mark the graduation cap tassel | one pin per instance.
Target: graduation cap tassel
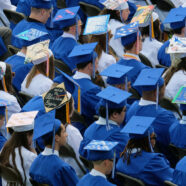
(79, 100)
(107, 38)
(120, 13)
(4, 84)
(107, 116)
(53, 140)
(151, 27)
(6, 118)
(150, 142)
(67, 113)
(77, 34)
(137, 43)
(47, 66)
(126, 84)
(157, 96)
(94, 70)
(51, 18)
(114, 164)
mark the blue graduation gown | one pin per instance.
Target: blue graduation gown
(89, 100)
(61, 48)
(132, 8)
(2, 141)
(164, 119)
(26, 25)
(152, 168)
(89, 180)
(50, 169)
(3, 48)
(21, 70)
(99, 132)
(177, 135)
(164, 58)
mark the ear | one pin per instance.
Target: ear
(57, 138)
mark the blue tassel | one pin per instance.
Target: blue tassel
(150, 142)
(94, 66)
(53, 140)
(51, 19)
(150, 29)
(157, 96)
(120, 13)
(107, 117)
(114, 164)
(77, 34)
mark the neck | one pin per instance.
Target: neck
(85, 71)
(100, 169)
(23, 50)
(132, 51)
(55, 148)
(149, 98)
(113, 119)
(35, 16)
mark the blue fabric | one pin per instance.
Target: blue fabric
(163, 58)
(132, 8)
(177, 135)
(100, 132)
(2, 47)
(61, 48)
(21, 70)
(152, 168)
(89, 100)
(14, 2)
(24, 7)
(52, 170)
(90, 180)
(2, 141)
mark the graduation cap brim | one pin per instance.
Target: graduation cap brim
(180, 97)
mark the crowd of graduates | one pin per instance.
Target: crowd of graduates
(103, 95)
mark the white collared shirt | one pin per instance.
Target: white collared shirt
(134, 55)
(66, 34)
(102, 121)
(81, 75)
(94, 172)
(183, 121)
(144, 102)
(48, 151)
(21, 54)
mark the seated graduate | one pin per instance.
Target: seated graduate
(17, 151)
(179, 174)
(6, 89)
(26, 38)
(101, 153)
(69, 21)
(151, 45)
(178, 129)
(86, 61)
(138, 159)
(176, 18)
(39, 79)
(40, 12)
(132, 43)
(112, 108)
(152, 86)
(118, 17)
(48, 168)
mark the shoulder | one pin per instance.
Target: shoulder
(8, 96)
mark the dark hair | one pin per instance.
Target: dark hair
(177, 31)
(48, 138)
(129, 46)
(184, 112)
(17, 140)
(139, 144)
(83, 65)
(67, 28)
(114, 14)
(102, 111)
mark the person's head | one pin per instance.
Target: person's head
(125, 14)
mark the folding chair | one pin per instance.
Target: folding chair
(24, 97)
(88, 164)
(178, 152)
(145, 60)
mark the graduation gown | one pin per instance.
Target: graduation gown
(2, 141)
(48, 168)
(20, 69)
(2, 47)
(152, 168)
(98, 131)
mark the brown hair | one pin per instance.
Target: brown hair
(42, 70)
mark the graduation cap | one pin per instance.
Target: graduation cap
(84, 53)
(180, 98)
(23, 121)
(176, 17)
(98, 25)
(46, 4)
(117, 74)
(31, 36)
(67, 17)
(115, 4)
(101, 150)
(46, 126)
(112, 98)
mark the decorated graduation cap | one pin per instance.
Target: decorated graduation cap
(31, 36)
(112, 98)
(117, 74)
(176, 18)
(46, 126)
(150, 79)
(84, 53)
(67, 17)
(39, 53)
(98, 25)
(180, 98)
(2, 74)
(46, 4)
(23, 121)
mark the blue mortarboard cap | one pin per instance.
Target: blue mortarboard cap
(116, 73)
(176, 18)
(66, 17)
(83, 53)
(31, 36)
(148, 79)
(100, 150)
(127, 33)
(138, 126)
(114, 4)
(46, 4)
(3, 104)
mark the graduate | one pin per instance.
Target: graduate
(138, 159)
(39, 79)
(176, 18)
(178, 129)
(101, 153)
(86, 61)
(40, 12)
(69, 21)
(48, 168)
(112, 108)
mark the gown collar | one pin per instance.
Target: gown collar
(183, 121)
(81, 75)
(20, 54)
(48, 151)
(94, 172)
(66, 34)
(102, 121)
(144, 102)
(131, 56)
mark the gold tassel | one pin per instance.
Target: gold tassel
(4, 84)
(67, 113)
(79, 100)
(152, 28)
